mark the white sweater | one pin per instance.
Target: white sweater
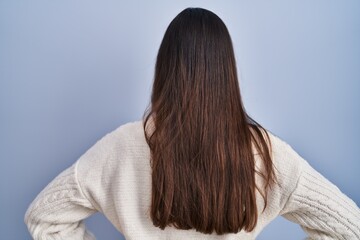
(114, 178)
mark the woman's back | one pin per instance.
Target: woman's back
(114, 177)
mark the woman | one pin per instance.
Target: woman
(196, 166)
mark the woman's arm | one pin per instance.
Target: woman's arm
(321, 209)
(58, 210)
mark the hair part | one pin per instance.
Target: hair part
(203, 166)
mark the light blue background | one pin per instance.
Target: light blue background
(72, 71)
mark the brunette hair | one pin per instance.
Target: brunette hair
(203, 168)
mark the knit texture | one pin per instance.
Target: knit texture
(114, 177)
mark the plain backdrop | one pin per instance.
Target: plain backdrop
(72, 71)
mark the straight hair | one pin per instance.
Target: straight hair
(200, 139)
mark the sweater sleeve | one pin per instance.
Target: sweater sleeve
(320, 208)
(58, 210)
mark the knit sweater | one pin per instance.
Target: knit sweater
(114, 177)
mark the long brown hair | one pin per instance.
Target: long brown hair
(203, 169)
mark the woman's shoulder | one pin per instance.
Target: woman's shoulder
(123, 135)
(103, 161)
(113, 143)
(288, 165)
(283, 152)
(126, 129)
